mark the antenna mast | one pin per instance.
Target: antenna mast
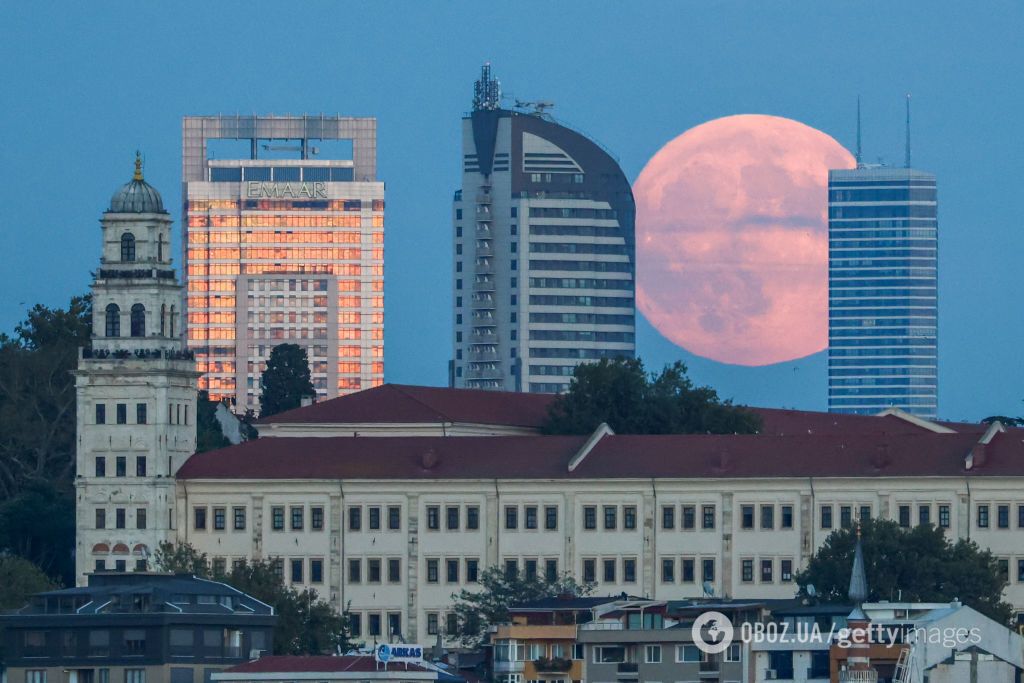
(906, 161)
(859, 163)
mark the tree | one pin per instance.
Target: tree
(38, 524)
(306, 624)
(479, 609)
(209, 435)
(621, 393)
(919, 564)
(19, 580)
(286, 380)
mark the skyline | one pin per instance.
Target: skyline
(84, 146)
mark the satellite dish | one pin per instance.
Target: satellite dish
(709, 589)
(811, 590)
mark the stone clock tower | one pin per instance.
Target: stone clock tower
(136, 390)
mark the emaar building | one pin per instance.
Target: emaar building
(544, 262)
(883, 296)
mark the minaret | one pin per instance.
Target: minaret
(136, 390)
(858, 660)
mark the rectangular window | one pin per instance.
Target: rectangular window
(472, 517)
(865, 514)
(219, 517)
(394, 623)
(451, 571)
(451, 514)
(511, 517)
(668, 570)
(121, 466)
(277, 518)
(433, 517)
(394, 518)
(787, 517)
(551, 570)
(1020, 571)
(608, 571)
(101, 518)
(845, 516)
(394, 570)
(101, 466)
(767, 571)
(355, 624)
(652, 654)
(472, 570)
(140, 466)
(432, 623)
(904, 515)
(589, 517)
(530, 569)
(944, 516)
(768, 517)
(296, 575)
(119, 518)
(689, 517)
(1003, 516)
(708, 515)
(746, 516)
(140, 413)
(298, 512)
(746, 570)
(373, 624)
(355, 518)
(140, 518)
(373, 570)
(611, 514)
(199, 518)
(433, 570)
(686, 570)
(316, 518)
(983, 516)
(122, 413)
(629, 570)
(551, 517)
(101, 414)
(687, 653)
(511, 568)
(530, 517)
(826, 517)
(373, 521)
(629, 517)
(134, 676)
(924, 514)
(316, 571)
(589, 570)
(355, 571)
(786, 571)
(707, 569)
(668, 517)
(452, 624)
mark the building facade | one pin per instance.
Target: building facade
(135, 628)
(136, 390)
(544, 262)
(883, 296)
(392, 526)
(283, 243)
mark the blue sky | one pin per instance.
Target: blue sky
(85, 84)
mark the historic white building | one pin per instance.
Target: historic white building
(136, 390)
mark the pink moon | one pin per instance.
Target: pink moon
(732, 239)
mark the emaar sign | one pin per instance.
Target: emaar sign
(399, 653)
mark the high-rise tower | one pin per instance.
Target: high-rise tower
(883, 297)
(136, 390)
(544, 264)
(283, 243)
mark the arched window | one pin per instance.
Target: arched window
(113, 321)
(172, 321)
(127, 247)
(138, 320)
(163, 318)
(160, 248)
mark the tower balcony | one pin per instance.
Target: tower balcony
(483, 230)
(484, 335)
(484, 248)
(484, 266)
(484, 318)
(483, 284)
(483, 197)
(484, 371)
(483, 302)
(483, 353)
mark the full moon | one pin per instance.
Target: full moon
(732, 239)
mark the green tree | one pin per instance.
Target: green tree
(621, 393)
(209, 435)
(306, 624)
(480, 608)
(286, 380)
(38, 524)
(19, 580)
(919, 564)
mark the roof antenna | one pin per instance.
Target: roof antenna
(906, 161)
(859, 163)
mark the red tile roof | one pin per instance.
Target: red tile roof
(783, 422)
(313, 664)
(404, 404)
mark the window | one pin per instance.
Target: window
(140, 466)
(101, 466)
(277, 518)
(134, 676)
(296, 571)
(373, 521)
(708, 515)
(355, 571)
(472, 517)
(101, 518)
(373, 570)
(904, 515)
(668, 570)
(865, 514)
(551, 570)
(668, 517)
(845, 516)
(316, 518)
(140, 413)
(355, 624)
(121, 466)
(394, 570)
(119, 518)
(112, 321)
(219, 521)
(452, 624)
(432, 623)
(590, 517)
(297, 515)
(140, 518)
(689, 517)
(687, 653)
(768, 517)
(589, 570)
(609, 654)
(686, 570)
(101, 413)
(944, 516)
(451, 571)
(355, 518)
(629, 517)
(394, 518)
(316, 571)
(767, 571)
(373, 624)
(1004, 568)
(472, 570)
(652, 654)
(708, 569)
(734, 653)
(530, 569)
(138, 320)
(511, 568)
(924, 514)
(629, 570)
(551, 517)
(530, 517)
(433, 570)
(511, 517)
(786, 571)
(199, 518)
(746, 570)
(127, 247)
(747, 516)
(433, 517)
(239, 518)
(1003, 516)
(611, 514)
(122, 413)
(983, 516)
(787, 517)
(451, 514)
(826, 517)
(1020, 571)
(608, 571)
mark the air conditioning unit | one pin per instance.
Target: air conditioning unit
(771, 674)
(255, 654)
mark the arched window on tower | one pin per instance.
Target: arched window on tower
(172, 321)
(160, 248)
(127, 247)
(163, 318)
(113, 321)
(138, 320)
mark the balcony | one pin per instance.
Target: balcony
(483, 353)
(483, 302)
(602, 626)
(484, 248)
(710, 667)
(554, 665)
(489, 338)
(629, 669)
(483, 230)
(483, 197)
(483, 285)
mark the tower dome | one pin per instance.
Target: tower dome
(137, 196)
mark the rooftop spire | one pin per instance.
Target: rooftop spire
(138, 166)
(858, 592)
(859, 163)
(906, 161)
(486, 91)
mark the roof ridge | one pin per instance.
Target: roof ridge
(425, 405)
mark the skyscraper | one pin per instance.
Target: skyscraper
(544, 263)
(883, 297)
(284, 243)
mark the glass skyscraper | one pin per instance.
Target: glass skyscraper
(283, 228)
(883, 297)
(544, 262)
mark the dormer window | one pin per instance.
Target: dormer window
(127, 247)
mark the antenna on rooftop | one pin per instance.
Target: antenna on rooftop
(906, 161)
(859, 164)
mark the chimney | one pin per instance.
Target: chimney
(307, 400)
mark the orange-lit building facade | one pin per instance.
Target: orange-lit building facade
(285, 249)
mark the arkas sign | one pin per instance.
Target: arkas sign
(399, 653)
(259, 190)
